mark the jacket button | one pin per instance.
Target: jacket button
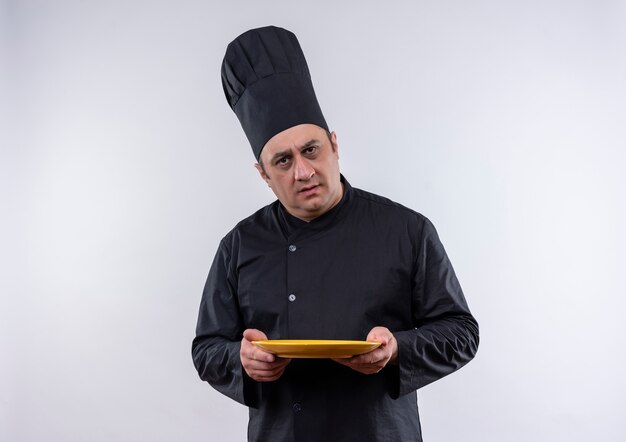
(292, 297)
(292, 248)
(297, 407)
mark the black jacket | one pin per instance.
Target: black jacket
(367, 262)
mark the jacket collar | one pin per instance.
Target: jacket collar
(294, 226)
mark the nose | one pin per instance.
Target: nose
(303, 170)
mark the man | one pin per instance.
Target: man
(324, 261)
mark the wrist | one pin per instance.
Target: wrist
(394, 352)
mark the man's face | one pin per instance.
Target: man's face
(301, 166)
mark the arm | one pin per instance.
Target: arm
(445, 334)
(222, 350)
(216, 347)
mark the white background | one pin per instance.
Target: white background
(122, 166)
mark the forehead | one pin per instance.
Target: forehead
(293, 138)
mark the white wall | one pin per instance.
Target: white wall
(122, 167)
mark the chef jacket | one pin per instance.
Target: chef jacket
(367, 262)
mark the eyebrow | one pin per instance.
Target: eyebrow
(284, 153)
(309, 144)
(280, 154)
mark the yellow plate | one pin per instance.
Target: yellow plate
(306, 348)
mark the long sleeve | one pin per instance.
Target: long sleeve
(215, 349)
(445, 334)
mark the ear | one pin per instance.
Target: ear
(262, 173)
(333, 140)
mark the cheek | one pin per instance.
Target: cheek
(281, 188)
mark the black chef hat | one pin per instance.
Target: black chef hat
(267, 83)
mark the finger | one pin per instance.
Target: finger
(252, 334)
(282, 362)
(277, 363)
(262, 378)
(380, 336)
(363, 367)
(261, 366)
(372, 357)
(266, 375)
(252, 352)
(257, 355)
(367, 369)
(265, 371)
(342, 361)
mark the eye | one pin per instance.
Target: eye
(282, 161)
(309, 150)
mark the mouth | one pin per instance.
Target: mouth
(309, 190)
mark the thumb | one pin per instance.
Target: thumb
(252, 334)
(379, 334)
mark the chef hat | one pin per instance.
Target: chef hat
(267, 83)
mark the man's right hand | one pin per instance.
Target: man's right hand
(258, 364)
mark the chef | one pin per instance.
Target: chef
(324, 261)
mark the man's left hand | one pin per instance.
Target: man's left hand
(375, 360)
